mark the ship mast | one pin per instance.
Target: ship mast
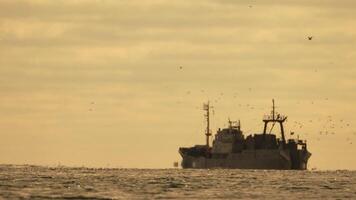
(275, 119)
(273, 108)
(207, 107)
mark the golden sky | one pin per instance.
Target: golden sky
(98, 83)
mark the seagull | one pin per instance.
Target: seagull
(180, 67)
(310, 37)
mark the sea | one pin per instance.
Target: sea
(38, 182)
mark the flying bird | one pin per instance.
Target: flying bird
(310, 37)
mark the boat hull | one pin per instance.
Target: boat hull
(249, 159)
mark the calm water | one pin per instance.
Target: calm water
(31, 182)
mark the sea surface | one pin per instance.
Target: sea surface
(34, 182)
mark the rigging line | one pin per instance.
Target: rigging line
(272, 127)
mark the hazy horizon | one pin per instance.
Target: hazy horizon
(107, 83)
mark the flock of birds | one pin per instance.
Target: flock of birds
(327, 127)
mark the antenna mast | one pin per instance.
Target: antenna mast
(207, 107)
(273, 108)
(272, 118)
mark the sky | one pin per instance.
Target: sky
(106, 83)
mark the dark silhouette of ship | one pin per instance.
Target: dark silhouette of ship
(231, 149)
